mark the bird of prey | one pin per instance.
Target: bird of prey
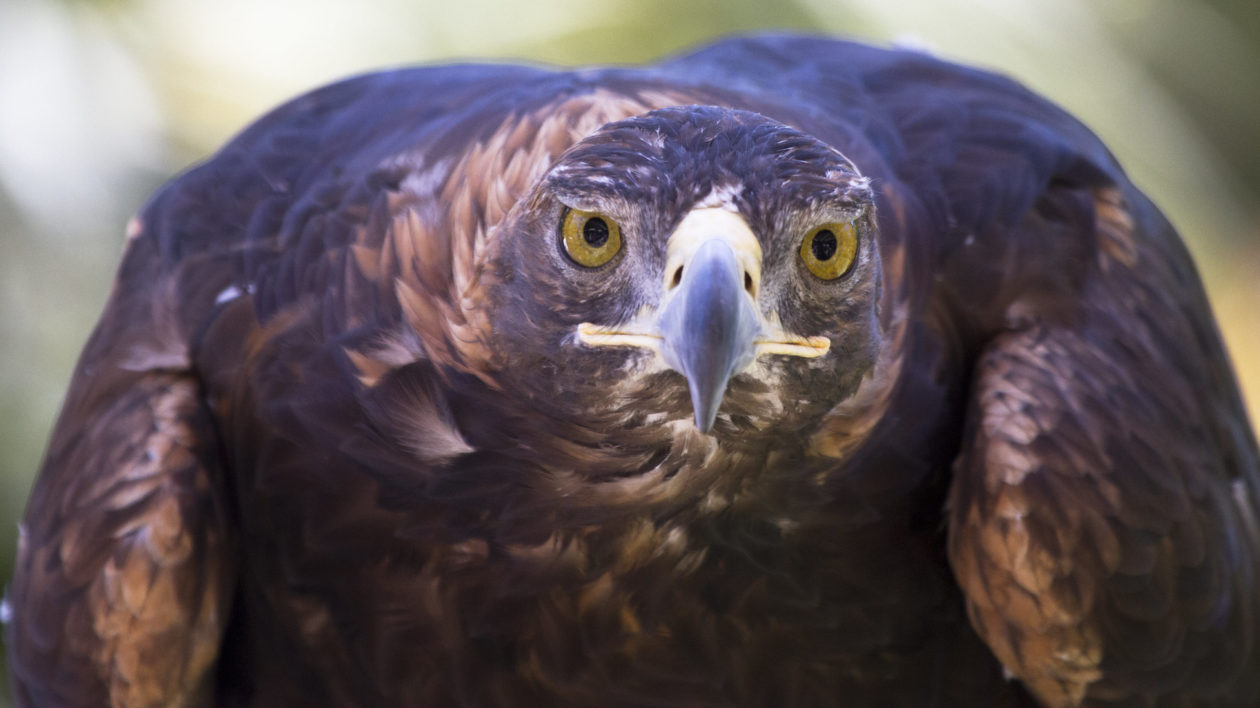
(789, 372)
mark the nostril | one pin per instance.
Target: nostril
(748, 283)
(677, 278)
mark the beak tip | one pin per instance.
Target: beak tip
(705, 405)
(704, 426)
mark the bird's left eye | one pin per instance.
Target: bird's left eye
(590, 239)
(829, 250)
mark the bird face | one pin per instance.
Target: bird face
(694, 264)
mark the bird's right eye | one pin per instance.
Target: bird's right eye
(590, 239)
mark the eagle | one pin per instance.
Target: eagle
(787, 372)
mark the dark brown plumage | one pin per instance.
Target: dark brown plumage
(790, 372)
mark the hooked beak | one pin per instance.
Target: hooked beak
(708, 326)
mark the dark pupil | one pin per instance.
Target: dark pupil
(824, 245)
(595, 232)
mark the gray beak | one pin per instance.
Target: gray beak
(709, 326)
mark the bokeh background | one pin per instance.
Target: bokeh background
(101, 101)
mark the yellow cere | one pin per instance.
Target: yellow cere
(828, 250)
(591, 239)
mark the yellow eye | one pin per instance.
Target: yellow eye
(590, 239)
(829, 250)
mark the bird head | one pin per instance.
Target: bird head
(695, 264)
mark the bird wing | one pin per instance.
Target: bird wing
(127, 562)
(123, 577)
(126, 569)
(1103, 510)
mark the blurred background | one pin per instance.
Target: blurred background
(101, 101)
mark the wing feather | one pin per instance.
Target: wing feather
(122, 581)
(1099, 521)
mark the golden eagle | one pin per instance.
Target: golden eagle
(790, 372)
